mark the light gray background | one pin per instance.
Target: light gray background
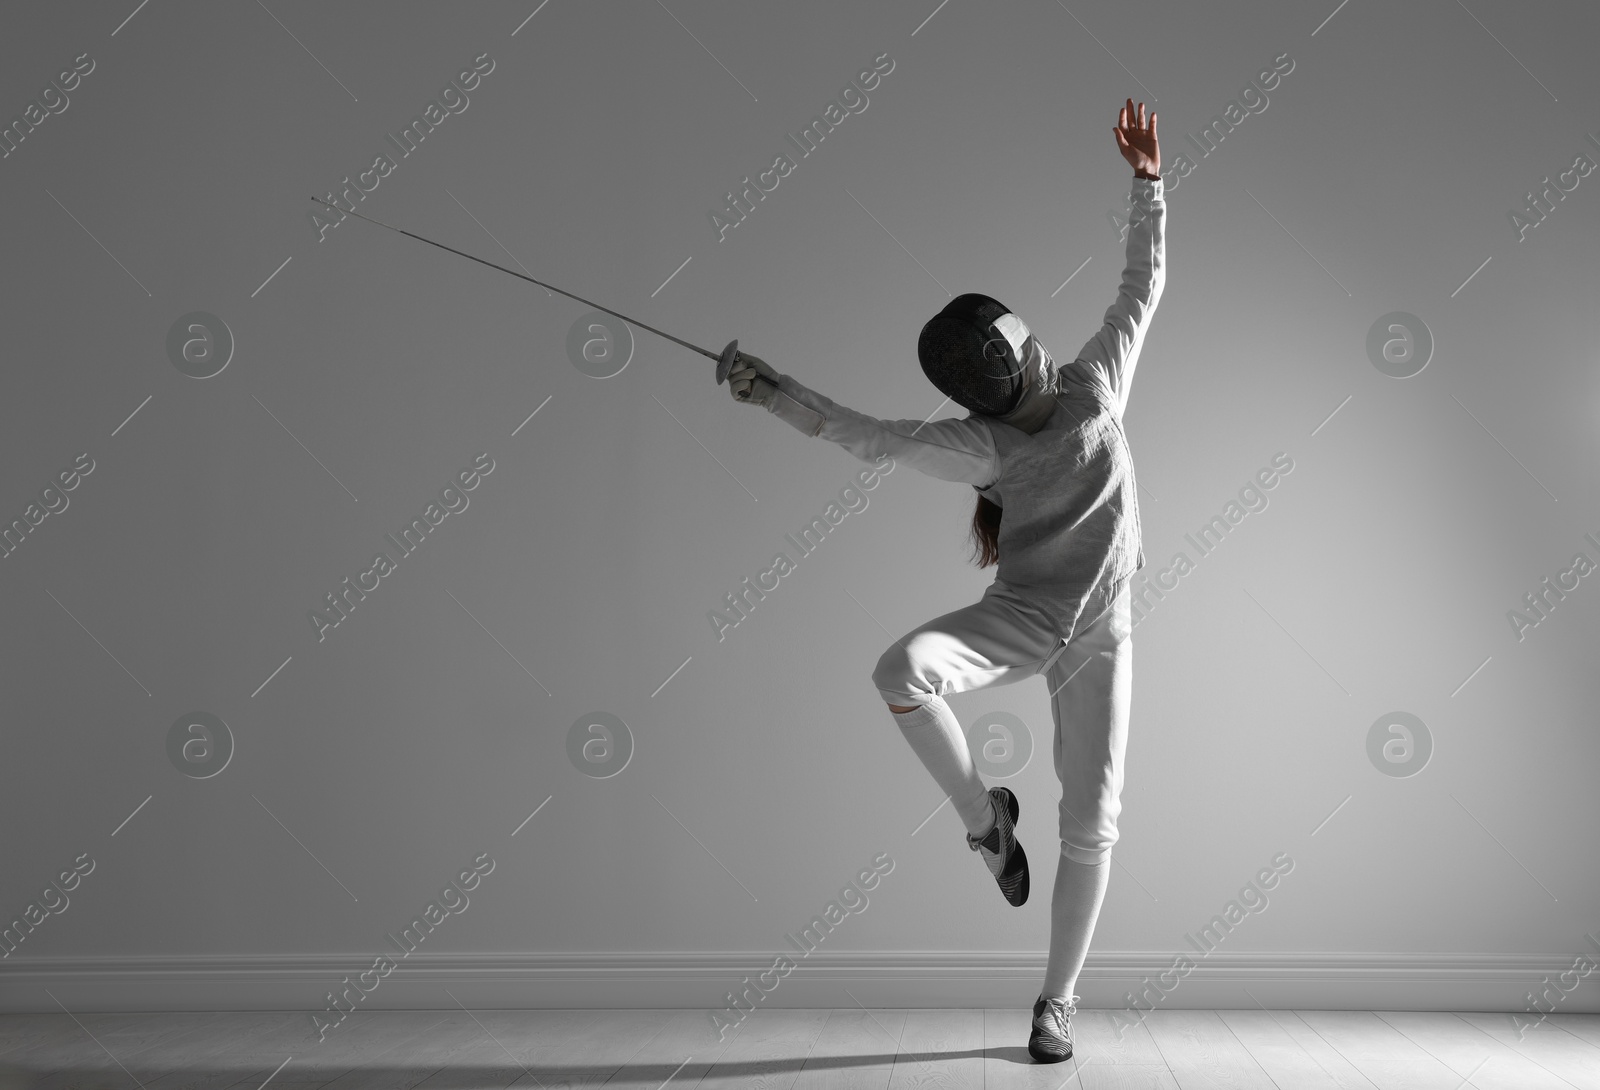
(414, 737)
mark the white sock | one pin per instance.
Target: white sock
(1080, 890)
(936, 738)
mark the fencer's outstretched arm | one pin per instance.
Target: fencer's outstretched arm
(1113, 352)
(951, 450)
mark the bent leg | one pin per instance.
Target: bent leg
(935, 736)
(995, 641)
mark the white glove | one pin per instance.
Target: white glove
(753, 382)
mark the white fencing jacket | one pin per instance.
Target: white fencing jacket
(1069, 535)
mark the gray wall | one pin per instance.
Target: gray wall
(379, 762)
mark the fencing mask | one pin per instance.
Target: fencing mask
(974, 352)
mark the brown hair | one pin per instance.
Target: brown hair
(986, 532)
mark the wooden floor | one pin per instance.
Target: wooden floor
(776, 1049)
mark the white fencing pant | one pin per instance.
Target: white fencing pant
(1001, 639)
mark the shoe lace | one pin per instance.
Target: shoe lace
(1060, 1009)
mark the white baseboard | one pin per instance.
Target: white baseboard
(1308, 981)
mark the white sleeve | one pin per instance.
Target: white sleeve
(951, 450)
(1113, 352)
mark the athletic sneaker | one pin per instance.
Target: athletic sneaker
(1051, 1040)
(1001, 853)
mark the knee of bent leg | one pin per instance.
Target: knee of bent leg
(897, 671)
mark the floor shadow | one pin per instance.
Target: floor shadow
(315, 1071)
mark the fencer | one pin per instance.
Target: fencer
(1045, 451)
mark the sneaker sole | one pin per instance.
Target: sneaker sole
(1018, 862)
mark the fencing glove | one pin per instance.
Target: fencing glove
(753, 382)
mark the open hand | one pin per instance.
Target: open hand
(1137, 140)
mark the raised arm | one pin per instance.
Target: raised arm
(1113, 352)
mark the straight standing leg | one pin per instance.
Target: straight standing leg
(1092, 684)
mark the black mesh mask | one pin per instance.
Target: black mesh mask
(970, 359)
